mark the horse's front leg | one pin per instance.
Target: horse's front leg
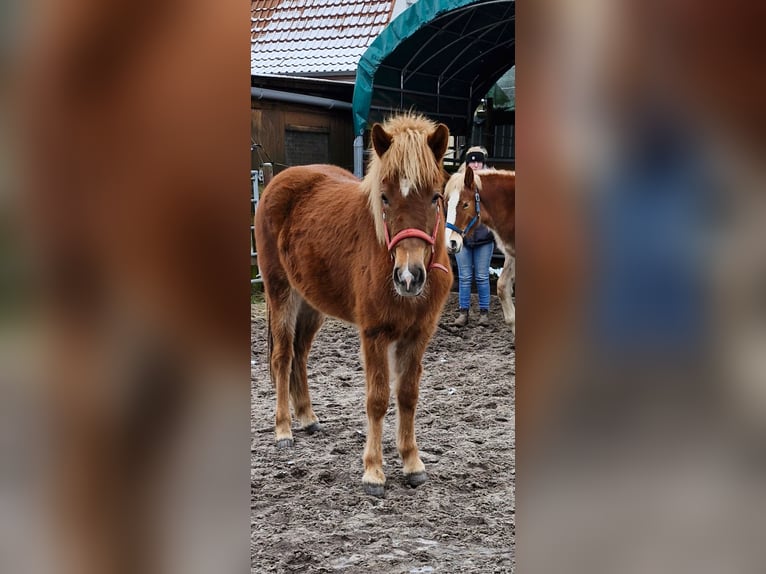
(376, 369)
(408, 358)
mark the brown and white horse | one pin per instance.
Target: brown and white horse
(371, 253)
(487, 196)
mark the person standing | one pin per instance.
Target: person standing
(474, 258)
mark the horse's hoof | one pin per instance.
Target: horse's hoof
(374, 489)
(416, 478)
(312, 428)
(285, 443)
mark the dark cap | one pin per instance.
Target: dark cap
(474, 156)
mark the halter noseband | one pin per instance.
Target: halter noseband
(418, 234)
(477, 217)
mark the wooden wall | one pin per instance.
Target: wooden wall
(270, 120)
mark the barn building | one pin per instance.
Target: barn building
(323, 70)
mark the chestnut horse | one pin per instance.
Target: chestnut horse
(489, 197)
(371, 253)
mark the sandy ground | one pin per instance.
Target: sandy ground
(309, 513)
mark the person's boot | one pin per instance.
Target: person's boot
(483, 317)
(462, 318)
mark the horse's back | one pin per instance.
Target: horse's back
(303, 179)
(294, 184)
(309, 220)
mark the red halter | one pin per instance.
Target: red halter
(417, 233)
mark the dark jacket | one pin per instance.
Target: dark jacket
(480, 236)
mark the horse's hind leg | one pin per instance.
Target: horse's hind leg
(283, 310)
(504, 291)
(308, 322)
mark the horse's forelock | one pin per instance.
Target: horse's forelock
(454, 185)
(409, 157)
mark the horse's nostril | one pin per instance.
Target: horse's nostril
(410, 278)
(403, 276)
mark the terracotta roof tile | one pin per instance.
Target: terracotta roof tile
(305, 36)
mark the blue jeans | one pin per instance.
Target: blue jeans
(473, 262)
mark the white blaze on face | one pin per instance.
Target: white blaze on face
(405, 274)
(404, 186)
(452, 208)
(451, 216)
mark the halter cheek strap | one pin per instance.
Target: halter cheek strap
(418, 234)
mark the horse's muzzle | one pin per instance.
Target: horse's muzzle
(454, 246)
(409, 280)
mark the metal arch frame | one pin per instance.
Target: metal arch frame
(445, 18)
(440, 82)
(495, 47)
(432, 22)
(478, 34)
(484, 30)
(454, 17)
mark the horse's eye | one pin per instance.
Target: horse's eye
(465, 205)
(436, 198)
(384, 199)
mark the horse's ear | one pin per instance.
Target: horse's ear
(381, 140)
(438, 141)
(468, 180)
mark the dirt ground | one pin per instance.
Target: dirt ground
(309, 512)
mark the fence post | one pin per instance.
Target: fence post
(268, 173)
(358, 156)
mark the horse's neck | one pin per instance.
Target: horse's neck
(489, 204)
(497, 211)
(486, 215)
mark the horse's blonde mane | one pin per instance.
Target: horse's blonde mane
(503, 172)
(408, 157)
(455, 182)
(491, 170)
(454, 185)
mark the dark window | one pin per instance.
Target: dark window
(504, 141)
(304, 146)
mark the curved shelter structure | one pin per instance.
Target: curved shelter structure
(439, 57)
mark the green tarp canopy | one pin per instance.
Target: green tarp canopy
(439, 57)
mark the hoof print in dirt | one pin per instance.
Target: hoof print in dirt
(374, 489)
(285, 443)
(416, 478)
(313, 428)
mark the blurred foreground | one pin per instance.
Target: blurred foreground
(641, 383)
(124, 383)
